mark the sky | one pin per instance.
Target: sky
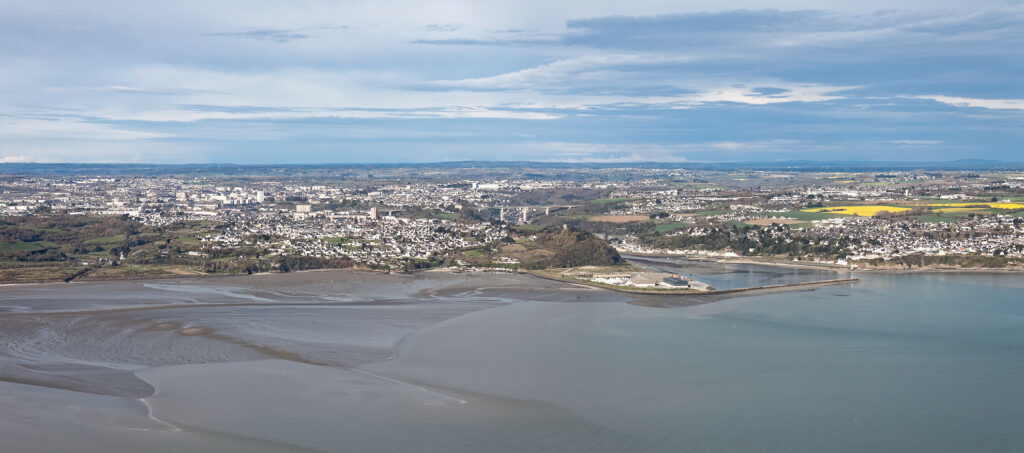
(271, 82)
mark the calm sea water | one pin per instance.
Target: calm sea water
(924, 362)
(895, 363)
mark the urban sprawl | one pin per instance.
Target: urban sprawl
(398, 218)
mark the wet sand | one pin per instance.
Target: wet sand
(174, 364)
(274, 362)
(92, 337)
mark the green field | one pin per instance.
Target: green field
(25, 246)
(335, 240)
(448, 215)
(189, 240)
(47, 230)
(115, 239)
(954, 216)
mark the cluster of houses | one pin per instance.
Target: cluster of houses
(381, 242)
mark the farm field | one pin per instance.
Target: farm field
(26, 246)
(866, 211)
(769, 221)
(964, 212)
(671, 226)
(990, 205)
(958, 210)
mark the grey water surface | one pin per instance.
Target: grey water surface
(896, 362)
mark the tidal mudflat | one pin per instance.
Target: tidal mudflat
(349, 361)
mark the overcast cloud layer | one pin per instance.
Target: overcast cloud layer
(576, 81)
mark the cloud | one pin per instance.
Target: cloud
(623, 159)
(995, 104)
(487, 42)
(130, 90)
(68, 128)
(98, 126)
(444, 27)
(728, 145)
(669, 31)
(264, 34)
(751, 31)
(701, 80)
(285, 114)
(595, 81)
(769, 91)
(583, 152)
(673, 30)
(757, 145)
(610, 81)
(793, 92)
(563, 72)
(609, 153)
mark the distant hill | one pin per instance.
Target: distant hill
(550, 248)
(271, 170)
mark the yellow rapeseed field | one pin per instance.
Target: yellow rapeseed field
(991, 205)
(865, 211)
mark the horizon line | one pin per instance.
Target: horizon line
(673, 163)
